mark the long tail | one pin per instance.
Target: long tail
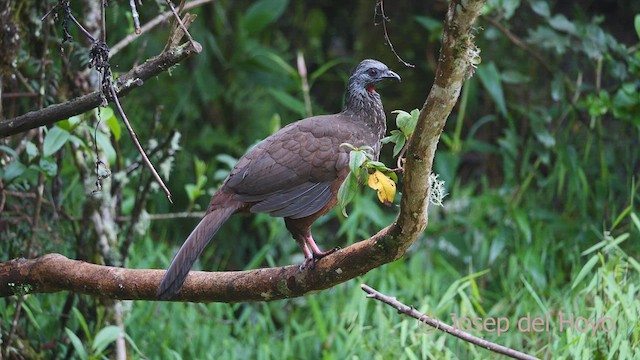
(191, 250)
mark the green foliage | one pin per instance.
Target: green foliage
(406, 123)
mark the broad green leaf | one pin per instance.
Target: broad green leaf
(12, 171)
(8, 150)
(346, 192)
(400, 141)
(104, 144)
(32, 150)
(48, 166)
(288, 101)
(541, 8)
(636, 23)
(77, 344)
(114, 126)
(262, 13)
(105, 337)
(71, 123)
(490, 79)
(561, 23)
(56, 138)
(356, 159)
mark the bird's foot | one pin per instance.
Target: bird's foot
(309, 262)
(320, 254)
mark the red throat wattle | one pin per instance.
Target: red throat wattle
(370, 89)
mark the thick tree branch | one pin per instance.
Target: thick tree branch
(55, 272)
(131, 80)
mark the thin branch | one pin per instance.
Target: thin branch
(136, 16)
(134, 137)
(131, 80)
(385, 19)
(520, 43)
(302, 71)
(182, 26)
(439, 325)
(151, 24)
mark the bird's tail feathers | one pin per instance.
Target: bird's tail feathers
(191, 250)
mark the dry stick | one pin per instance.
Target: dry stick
(126, 82)
(136, 16)
(411, 311)
(134, 137)
(380, 4)
(302, 71)
(150, 25)
(132, 133)
(184, 28)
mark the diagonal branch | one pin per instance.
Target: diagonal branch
(125, 83)
(55, 272)
(438, 325)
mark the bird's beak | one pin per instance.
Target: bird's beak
(391, 75)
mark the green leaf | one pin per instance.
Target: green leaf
(13, 171)
(48, 166)
(8, 150)
(561, 23)
(490, 79)
(32, 150)
(356, 159)
(226, 159)
(262, 13)
(585, 271)
(193, 192)
(636, 23)
(541, 8)
(71, 123)
(104, 144)
(346, 192)
(105, 337)
(54, 140)
(288, 101)
(77, 344)
(523, 224)
(400, 141)
(114, 126)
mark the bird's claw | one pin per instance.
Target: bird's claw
(311, 261)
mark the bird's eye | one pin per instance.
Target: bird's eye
(372, 72)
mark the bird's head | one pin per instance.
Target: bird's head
(370, 72)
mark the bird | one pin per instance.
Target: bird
(295, 173)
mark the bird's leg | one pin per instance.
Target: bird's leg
(302, 234)
(317, 253)
(308, 255)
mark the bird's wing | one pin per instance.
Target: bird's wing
(290, 173)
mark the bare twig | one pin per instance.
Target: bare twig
(380, 5)
(302, 71)
(134, 137)
(151, 24)
(438, 325)
(128, 81)
(183, 27)
(136, 16)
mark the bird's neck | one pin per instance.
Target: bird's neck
(365, 105)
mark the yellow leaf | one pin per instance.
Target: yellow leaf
(385, 186)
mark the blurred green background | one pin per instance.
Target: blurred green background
(540, 160)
